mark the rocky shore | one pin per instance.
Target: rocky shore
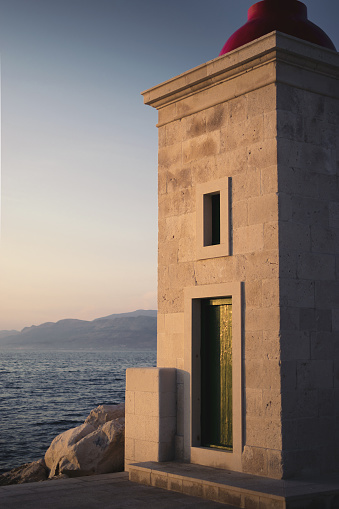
(94, 447)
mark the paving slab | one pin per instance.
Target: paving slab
(96, 492)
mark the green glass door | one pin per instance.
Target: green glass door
(216, 373)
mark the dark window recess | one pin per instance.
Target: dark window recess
(211, 219)
(215, 219)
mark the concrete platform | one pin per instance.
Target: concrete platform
(96, 492)
(238, 489)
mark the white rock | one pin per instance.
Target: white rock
(105, 413)
(95, 447)
(64, 443)
(99, 452)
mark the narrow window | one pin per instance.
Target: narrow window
(215, 219)
(212, 219)
(213, 214)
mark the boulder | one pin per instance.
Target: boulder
(105, 413)
(29, 472)
(62, 445)
(95, 447)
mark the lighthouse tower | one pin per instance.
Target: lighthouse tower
(247, 376)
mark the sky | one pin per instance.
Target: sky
(79, 147)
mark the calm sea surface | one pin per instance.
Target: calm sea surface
(43, 394)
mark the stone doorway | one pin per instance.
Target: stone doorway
(216, 373)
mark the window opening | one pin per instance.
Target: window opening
(212, 219)
(215, 219)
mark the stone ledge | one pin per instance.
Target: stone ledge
(239, 489)
(268, 48)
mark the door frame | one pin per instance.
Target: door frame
(216, 365)
(193, 451)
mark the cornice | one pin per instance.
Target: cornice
(275, 48)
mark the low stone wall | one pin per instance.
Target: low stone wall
(150, 414)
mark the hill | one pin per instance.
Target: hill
(125, 331)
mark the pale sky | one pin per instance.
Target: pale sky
(79, 148)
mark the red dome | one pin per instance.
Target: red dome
(287, 16)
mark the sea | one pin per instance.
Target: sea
(45, 393)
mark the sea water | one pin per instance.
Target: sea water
(43, 394)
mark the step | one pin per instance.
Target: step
(238, 489)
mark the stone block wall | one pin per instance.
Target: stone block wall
(308, 154)
(234, 139)
(150, 414)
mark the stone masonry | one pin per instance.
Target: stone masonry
(150, 414)
(265, 116)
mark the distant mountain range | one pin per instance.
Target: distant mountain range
(124, 331)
